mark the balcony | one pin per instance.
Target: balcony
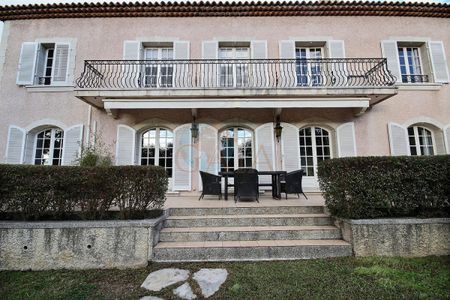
(119, 84)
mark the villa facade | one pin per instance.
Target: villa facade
(223, 86)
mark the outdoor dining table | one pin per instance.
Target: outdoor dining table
(276, 185)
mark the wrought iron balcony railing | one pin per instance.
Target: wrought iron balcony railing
(235, 73)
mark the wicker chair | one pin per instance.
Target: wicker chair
(211, 185)
(246, 184)
(292, 183)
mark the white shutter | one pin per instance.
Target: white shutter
(181, 50)
(209, 72)
(336, 49)
(29, 148)
(72, 144)
(346, 140)
(182, 158)
(438, 61)
(290, 147)
(288, 76)
(60, 64)
(389, 50)
(265, 150)
(259, 72)
(125, 145)
(180, 70)
(132, 50)
(27, 64)
(398, 140)
(71, 64)
(208, 155)
(15, 145)
(447, 138)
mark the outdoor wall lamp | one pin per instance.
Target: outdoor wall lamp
(278, 129)
(194, 129)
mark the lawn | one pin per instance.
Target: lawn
(340, 278)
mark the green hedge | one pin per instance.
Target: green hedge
(63, 192)
(377, 187)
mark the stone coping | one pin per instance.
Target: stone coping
(81, 224)
(395, 221)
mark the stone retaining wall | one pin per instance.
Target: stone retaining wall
(77, 244)
(397, 237)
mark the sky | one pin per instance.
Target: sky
(20, 2)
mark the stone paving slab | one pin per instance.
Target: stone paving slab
(160, 279)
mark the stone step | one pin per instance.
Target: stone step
(252, 210)
(250, 250)
(248, 220)
(248, 233)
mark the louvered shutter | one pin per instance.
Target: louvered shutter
(336, 49)
(125, 145)
(439, 62)
(447, 138)
(209, 72)
(288, 76)
(132, 50)
(265, 150)
(389, 49)
(182, 164)
(208, 155)
(346, 140)
(181, 70)
(71, 64)
(72, 144)
(29, 148)
(259, 71)
(27, 64)
(290, 147)
(60, 64)
(398, 140)
(15, 145)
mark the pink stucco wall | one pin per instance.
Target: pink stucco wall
(102, 38)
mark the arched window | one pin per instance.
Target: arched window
(420, 141)
(48, 147)
(157, 148)
(236, 148)
(314, 147)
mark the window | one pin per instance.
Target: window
(48, 147)
(234, 74)
(158, 74)
(52, 64)
(420, 141)
(308, 71)
(411, 65)
(236, 149)
(46, 78)
(157, 148)
(314, 147)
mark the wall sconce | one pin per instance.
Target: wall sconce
(278, 129)
(194, 130)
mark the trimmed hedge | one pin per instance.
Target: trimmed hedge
(377, 187)
(66, 192)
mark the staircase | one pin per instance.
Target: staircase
(249, 233)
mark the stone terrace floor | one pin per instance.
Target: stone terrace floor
(191, 201)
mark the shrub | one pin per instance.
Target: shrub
(65, 192)
(95, 154)
(377, 187)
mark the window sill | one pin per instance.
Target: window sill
(419, 86)
(48, 89)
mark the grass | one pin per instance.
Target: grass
(340, 278)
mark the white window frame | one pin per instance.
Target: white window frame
(52, 146)
(236, 146)
(159, 56)
(157, 145)
(314, 147)
(407, 65)
(52, 68)
(417, 140)
(309, 74)
(234, 51)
